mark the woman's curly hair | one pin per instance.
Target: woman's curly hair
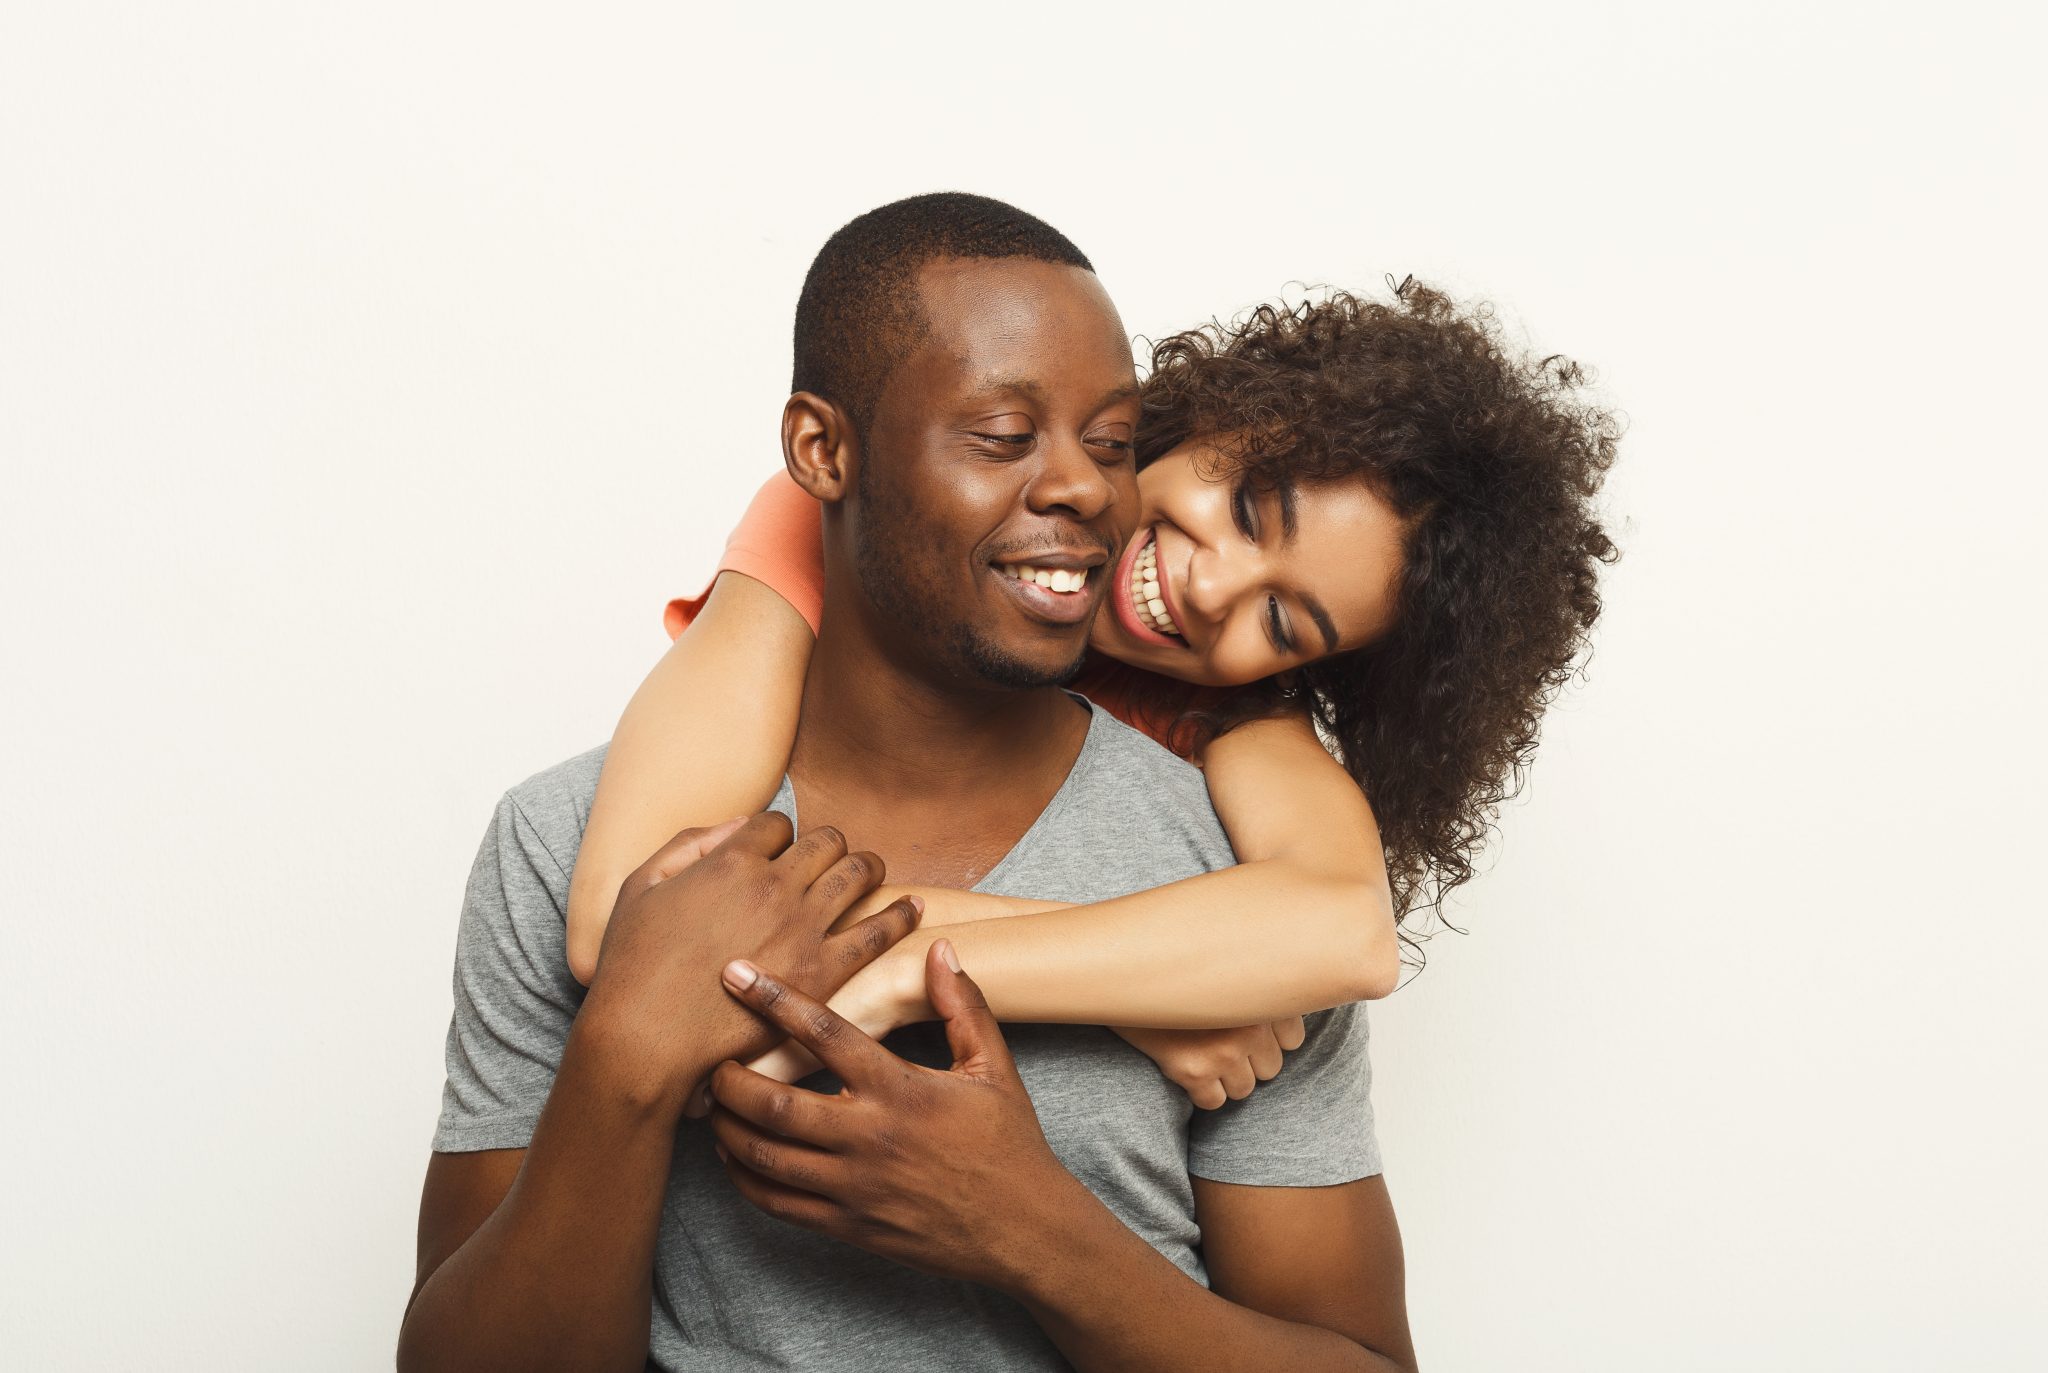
(1493, 460)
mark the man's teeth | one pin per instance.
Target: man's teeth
(1051, 578)
(1145, 597)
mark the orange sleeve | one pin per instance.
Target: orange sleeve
(778, 543)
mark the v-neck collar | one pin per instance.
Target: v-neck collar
(785, 796)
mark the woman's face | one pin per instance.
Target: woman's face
(1222, 586)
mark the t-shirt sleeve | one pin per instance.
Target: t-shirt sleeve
(515, 998)
(780, 543)
(1310, 1126)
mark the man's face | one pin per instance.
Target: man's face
(999, 459)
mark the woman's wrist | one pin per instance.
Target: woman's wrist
(902, 989)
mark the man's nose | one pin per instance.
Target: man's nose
(1069, 479)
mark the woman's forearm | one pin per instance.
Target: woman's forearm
(1240, 946)
(1305, 921)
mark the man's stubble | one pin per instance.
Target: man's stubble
(892, 557)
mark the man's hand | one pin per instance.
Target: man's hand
(947, 1172)
(878, 1000)
(738, 889)
(1214, 1066)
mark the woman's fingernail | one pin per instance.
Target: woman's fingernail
(722, 1155)
(947, 956)
(740, 974)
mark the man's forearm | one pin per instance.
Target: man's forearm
(559, 1276)
(1110, 1301)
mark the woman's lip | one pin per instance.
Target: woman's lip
(1121, 596)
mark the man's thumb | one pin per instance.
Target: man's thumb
(971, 1029)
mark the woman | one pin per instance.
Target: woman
(1369, 520)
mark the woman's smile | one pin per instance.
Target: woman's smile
(1142, 597)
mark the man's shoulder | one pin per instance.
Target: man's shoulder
(556, 801)
(1146, 795)
(1124, 751)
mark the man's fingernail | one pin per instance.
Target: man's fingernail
(916, 904)
(740, 974)
(947, 956)
(722, 1155)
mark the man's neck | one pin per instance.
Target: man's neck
(941, 778)
(866, 716)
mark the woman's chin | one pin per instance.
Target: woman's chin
(1112, 641)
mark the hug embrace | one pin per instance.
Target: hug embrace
(957, 957)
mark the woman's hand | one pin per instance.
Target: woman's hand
(878, 999)
(1214, 1066)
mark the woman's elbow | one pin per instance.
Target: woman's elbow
(1374, 964)
(1379, 970)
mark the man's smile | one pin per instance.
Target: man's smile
(1055, 586)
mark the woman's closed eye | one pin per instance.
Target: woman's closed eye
(1243, 513)
(1278, 629)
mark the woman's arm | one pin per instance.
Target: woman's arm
(1305, 921)
(705, 738)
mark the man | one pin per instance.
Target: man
(964, 407)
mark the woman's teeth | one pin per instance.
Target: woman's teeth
(1145, 597)
(1052, 579)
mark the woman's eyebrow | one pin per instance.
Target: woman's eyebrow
(1289, 521)
(1323, 621)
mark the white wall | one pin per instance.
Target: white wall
(369, 374)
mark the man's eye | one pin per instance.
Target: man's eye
(1118, 446)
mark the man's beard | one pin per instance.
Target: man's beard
(884, 536)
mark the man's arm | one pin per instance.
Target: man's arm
(950, 1173)
(542, 1257)
(1304, 1278)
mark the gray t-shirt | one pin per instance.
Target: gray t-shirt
(734, 1289)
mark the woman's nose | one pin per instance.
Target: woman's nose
(1216, 580)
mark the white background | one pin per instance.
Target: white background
(370, 373)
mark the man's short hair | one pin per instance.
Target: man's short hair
(859, 316)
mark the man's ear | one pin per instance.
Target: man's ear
(818, 446)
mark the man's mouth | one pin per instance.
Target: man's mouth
(1054, 586)
(1065, 581)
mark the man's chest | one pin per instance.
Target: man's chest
(926, 847)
